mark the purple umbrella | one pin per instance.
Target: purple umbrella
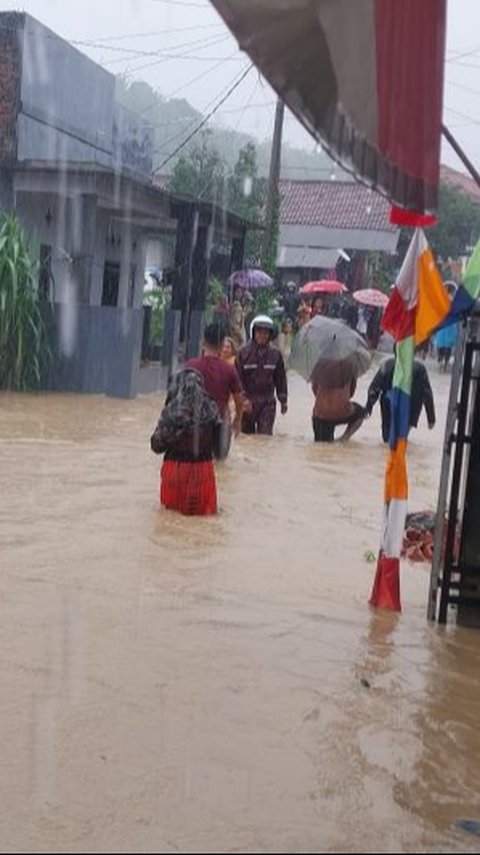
(250, 278)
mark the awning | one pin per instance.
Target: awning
(365, 77)
(306, 256)
(329, 239)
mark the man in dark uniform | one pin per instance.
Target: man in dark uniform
(262, 373)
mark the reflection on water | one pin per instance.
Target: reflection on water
(174, 684)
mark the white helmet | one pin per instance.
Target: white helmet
(262, 321)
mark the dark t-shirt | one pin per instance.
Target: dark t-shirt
(221, 380)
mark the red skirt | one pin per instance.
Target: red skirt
(189, 487)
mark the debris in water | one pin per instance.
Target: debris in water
(469, 825)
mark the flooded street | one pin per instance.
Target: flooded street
(201, 685)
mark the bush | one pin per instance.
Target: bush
(24, 349)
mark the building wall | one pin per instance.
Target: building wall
(67, 101)
(98, 350)
(57, 104)
(10, 69)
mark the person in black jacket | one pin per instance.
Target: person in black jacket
(421, 395)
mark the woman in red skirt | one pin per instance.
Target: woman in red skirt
(188, 434)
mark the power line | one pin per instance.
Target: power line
(167, 57)
(205, 120)
(150, 33)
(470, 120)
(256, 106)
(193, 122)
(235, 130)
(139, 53)
(461, 86)
(181, 3)
(199, 77)
(165, 54)
(184, 86)
(462, 55)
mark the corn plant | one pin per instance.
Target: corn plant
(24, 349)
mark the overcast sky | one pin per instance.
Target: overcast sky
(140, 36)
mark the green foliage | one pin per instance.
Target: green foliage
(159, 302)
(174, 118)
(201, 173)
(458, 226)
(246, 197)
(270, 252)
(215, 292)
(381, 270)
(264, 301)
(24, 349)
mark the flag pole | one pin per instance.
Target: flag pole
(461, 154)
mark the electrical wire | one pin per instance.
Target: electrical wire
(204, 120)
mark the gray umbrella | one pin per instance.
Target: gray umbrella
(327, 351)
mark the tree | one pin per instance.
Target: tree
(458, 225)
(246, 197)
(200, 173)
(172, 120)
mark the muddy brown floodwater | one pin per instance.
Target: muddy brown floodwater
(172, 684)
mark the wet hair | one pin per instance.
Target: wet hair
(230, 341)
(214, 334)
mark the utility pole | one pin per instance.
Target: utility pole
(273, 179)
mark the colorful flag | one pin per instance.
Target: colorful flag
(418, 305)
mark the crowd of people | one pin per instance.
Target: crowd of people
(237, 385)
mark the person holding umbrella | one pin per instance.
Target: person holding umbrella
(263, 376)
(333, 407)
(331, 356)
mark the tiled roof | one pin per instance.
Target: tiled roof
(461, 181)
(334, 204)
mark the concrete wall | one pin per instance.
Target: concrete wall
(56, 104)
(10, 69)
(67, 101)
(77, 237)
(98, 350)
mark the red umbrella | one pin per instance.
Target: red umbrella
(371, 297)
(323, 286)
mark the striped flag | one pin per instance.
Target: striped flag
(419, 304)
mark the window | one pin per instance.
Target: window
(45, 277)
(131, 289)
(111, 283)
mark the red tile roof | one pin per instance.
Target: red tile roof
(334, 205)
(461, 181)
